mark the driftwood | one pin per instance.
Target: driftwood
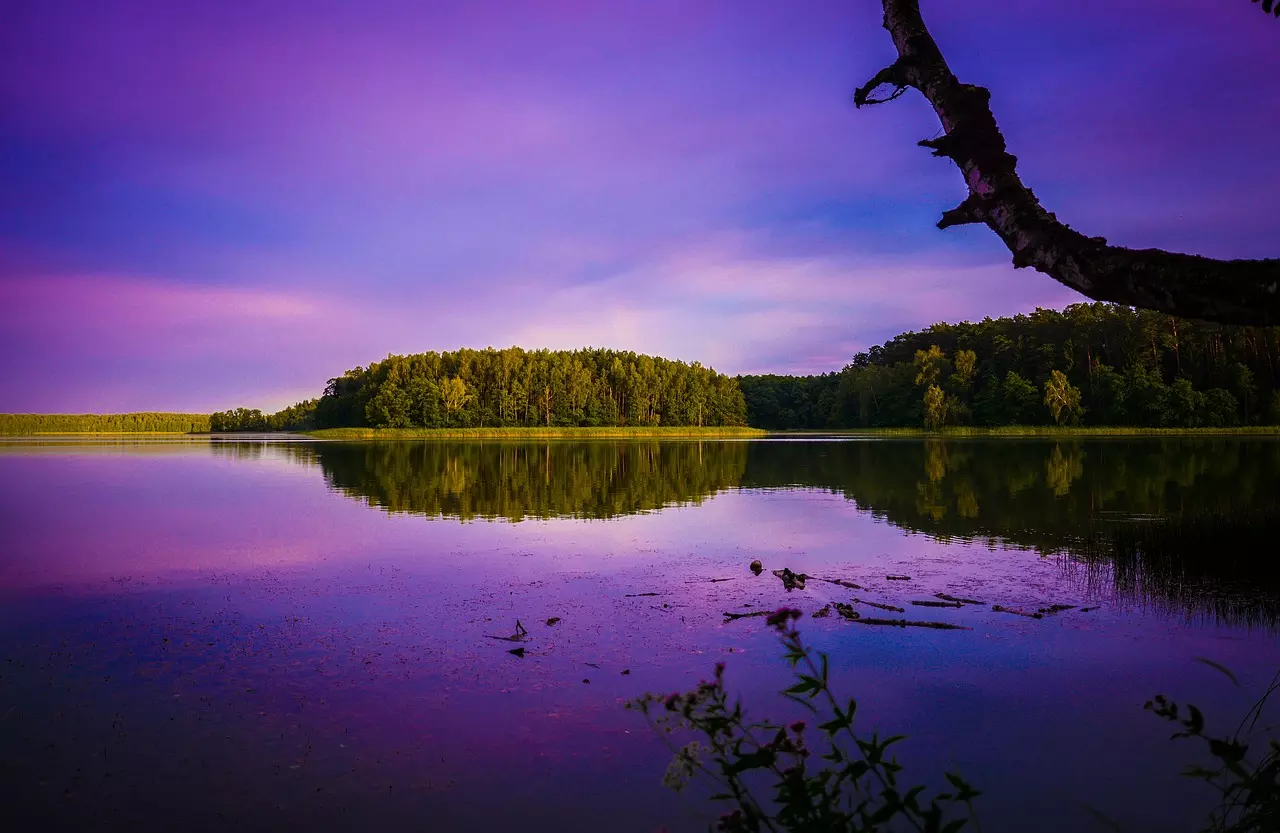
(947, 598)
(638, 595)
(931, 603)
(1016, 612)
(1052, 609)
(842, 583)
(907, 623)
(730, 617)
(553, 620)
(518, 652)
(898, 578)
(1090, 609)
(880, 606)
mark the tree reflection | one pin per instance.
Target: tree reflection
(1181, 522)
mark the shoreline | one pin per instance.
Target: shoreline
(1034, 431)
(611, 432)
(684, 432)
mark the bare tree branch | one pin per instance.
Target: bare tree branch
(1229, 291)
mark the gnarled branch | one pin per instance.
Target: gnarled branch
(1229, 291)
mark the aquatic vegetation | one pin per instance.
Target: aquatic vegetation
(837, 780)
(1248, 787)
(831, 779)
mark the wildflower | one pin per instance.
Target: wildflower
(779, 618)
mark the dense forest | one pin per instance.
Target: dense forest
(299, 417)
(155, 423)
(1091, 364)
(515, 387)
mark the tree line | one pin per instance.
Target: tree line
(515, 387)
(140, 423)
(299, 417)
(1092, 364)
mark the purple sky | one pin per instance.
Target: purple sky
(211, 204)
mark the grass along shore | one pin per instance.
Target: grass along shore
(611, 432)
(1036, 431)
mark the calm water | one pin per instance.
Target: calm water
(275, 636)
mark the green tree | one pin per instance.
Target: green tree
(935, 407)
(455, 396)
(929, 365)
(1063, 399)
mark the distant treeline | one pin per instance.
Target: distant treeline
(156, 423)
(1092, 364)
(299, 417)
(515, 387)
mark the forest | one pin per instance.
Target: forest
(140, 423)
(297, 417)
(516, 387)
(1090, 364)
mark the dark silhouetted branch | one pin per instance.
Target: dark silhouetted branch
(1229, 291)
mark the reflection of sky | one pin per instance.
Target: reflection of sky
(203, 208)
(307, 630)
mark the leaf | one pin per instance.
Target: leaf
(1195, 723)
(1221, 669)
(805, 685)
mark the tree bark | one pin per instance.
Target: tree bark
(1228, 291)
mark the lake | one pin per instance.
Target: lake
(277, 635)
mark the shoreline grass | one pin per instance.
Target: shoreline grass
(1036, 431)
(611, 432)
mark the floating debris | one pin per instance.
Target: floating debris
(1016, 612)
(626, 671)
(757, 567)
(843, 583)
(822, 612)
(517, 652)
(1052, 609)
(847, 612)
(592, 665)
(898, 578)
(518, 636)
(729, 617)
(791, 581)
(585, 680)
(932, 603)
(880, 605)
(947, 598)
(907, 623)
(1090, 609)
(639, 595)
(553, 620)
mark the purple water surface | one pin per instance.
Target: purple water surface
(197, 640)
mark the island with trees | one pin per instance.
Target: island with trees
(1090, 367)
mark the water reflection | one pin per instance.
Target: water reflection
(516, 481)
(1131, 514)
